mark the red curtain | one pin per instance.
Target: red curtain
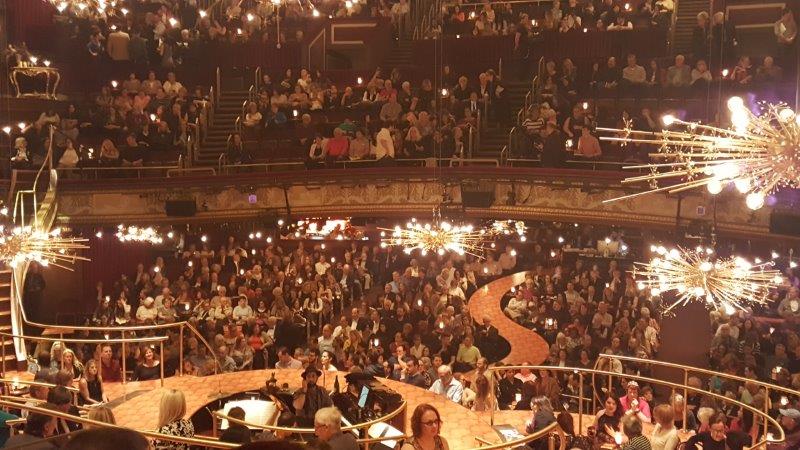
(110, 259)
(30, 21)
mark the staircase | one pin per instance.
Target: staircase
(685, 22)
(495, 137)
(401, 56)
(5, 317)
(226, 111)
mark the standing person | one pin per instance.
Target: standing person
(553, 147)
(665, 435)
(328, 428)
(786, 32)
(34, 286)
(310, 398)
(426, 426)
(171, 421)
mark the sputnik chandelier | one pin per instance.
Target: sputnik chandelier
(83, 6)
(439, 236)
(758, 154)
(698, 275)
(24, 244)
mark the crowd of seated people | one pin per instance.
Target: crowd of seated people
(524, 20)
(172, 33)
(383, 119)
(129, 123)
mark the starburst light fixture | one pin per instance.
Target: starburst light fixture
(438, 236)
(24, 244)
(79, 7)
(139, 234)
(698, 275)
(759, 154)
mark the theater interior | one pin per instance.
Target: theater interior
(399, 224)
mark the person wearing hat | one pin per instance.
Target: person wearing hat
(632, 403)
(147, 311)
(790, 421)
(310, 398)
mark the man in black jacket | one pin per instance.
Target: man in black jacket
(236, 432)
(554, 146)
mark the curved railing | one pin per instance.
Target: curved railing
(688, 370)
(152, 340)
(582, 373)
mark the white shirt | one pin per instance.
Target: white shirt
(322, 267)
(172, 87)
(385, 145)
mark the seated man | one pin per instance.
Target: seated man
(447, 385)
(678, 75)
(768, 72)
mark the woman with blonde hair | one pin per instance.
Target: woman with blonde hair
(71, 364)
(90, 385)
(101, 414)
(109, 154)
(171, 421)
(56, 354)
(665, 435)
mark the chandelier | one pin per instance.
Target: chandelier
(437, 236)
(698, 275)
(23, 244)
(758, 154)
(139, 234)
(85, 6)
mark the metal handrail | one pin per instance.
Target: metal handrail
(183, 170)
(219, 84)
(257, 78)
(222, 161)
(141, 340)
(504, 151)
(15, 381)
(781, 437)
(202, 442)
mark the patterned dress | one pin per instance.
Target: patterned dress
(183, 428)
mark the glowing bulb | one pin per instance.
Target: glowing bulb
(7, 129)
(315, 13)
(250, 17)
(725, 72)
(114, 84)
(742, 185)
(444, 92)
(99, 235)
(585, 105)
(735, 103)
(125, 12)
(34, 60)
(668, 119)
(173, 22)
(46, 63)
(204, 238)
(203, 14)
(22, 125)
(754, 200)
(714, 187)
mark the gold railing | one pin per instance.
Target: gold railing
(688, 370)
(138, 340)
(123, 340)
(779, 436)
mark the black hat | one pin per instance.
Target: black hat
(311, 369)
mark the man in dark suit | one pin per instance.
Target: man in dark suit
(554, 146)
(236, 433)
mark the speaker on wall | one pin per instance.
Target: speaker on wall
(477, 199)
(787, 223)
(180, 208)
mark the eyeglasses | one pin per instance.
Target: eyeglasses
(432, 423)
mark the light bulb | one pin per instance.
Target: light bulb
(668, 119)
(754, 200)
(714, 187)
(735, 103)
(742, 185)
